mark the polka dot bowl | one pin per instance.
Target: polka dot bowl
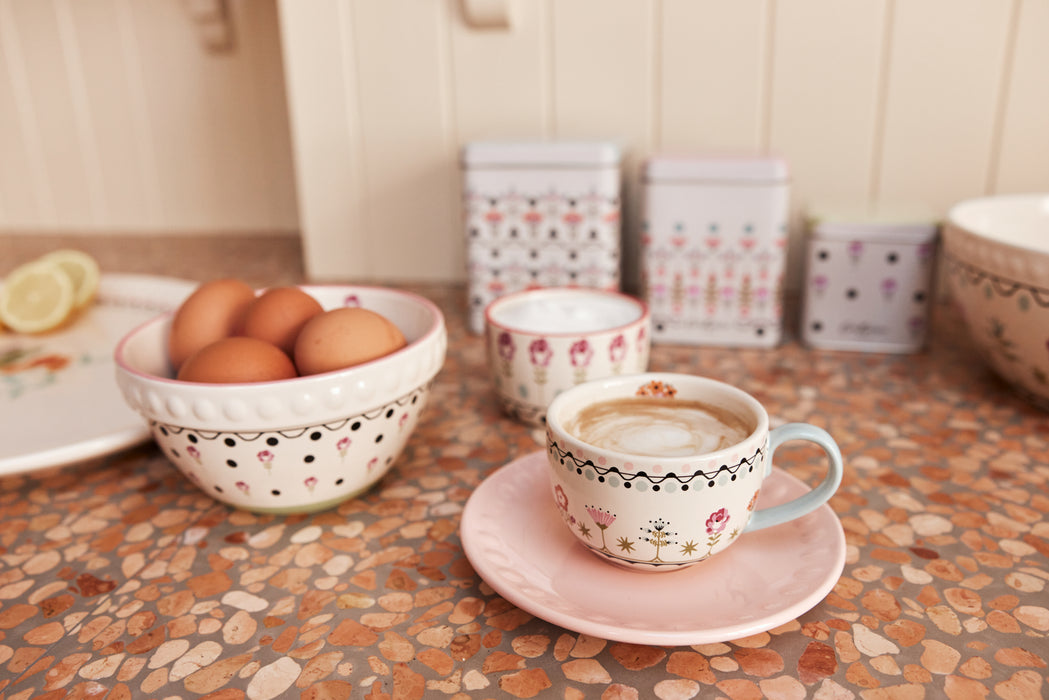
(296, 445)
(996, 259)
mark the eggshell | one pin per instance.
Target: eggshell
(343, 338)
(278, 314)
(237, 359)
(213, 311)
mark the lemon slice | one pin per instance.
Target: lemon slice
(36, 297)
(82, 270)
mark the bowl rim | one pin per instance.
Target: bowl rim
(955, 226)
(434, 329)
(540, 292)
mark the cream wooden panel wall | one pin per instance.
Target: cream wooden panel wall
(113, 117)
(344, 118)
(873, 103)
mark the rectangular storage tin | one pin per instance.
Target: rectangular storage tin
(713, 248)
(539, 214)
(869, 282)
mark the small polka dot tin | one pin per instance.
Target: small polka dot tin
(539, 214)
(713, 249)
(869, 283)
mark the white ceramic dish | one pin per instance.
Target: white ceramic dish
(996, 254)
(513, 537)
(58, 399)
(294, 445)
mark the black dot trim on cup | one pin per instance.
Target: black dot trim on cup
(577, 464)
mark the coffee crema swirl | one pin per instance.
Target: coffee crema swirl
(657, 427)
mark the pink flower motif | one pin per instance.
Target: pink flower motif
(402, 420)
(573, 217)
(602, 517)
(560, 498)
(717, 521)
(617, 349)
(311, 482)
(265, 456)
(505, 344)
(342, 444)
(352, 301)
(888, 286)
(372, 463)
(580, 353)
(193, 452)
(855, 249)
(539, 351)
(493, 216)
(819, 283)
(532, 217)
(243, 486)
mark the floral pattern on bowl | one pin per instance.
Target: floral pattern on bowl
(1009, 322)
(297, 470)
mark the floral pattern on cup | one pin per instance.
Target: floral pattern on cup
(670, 512)
(506, 350)
(580, 354)
(528, 369)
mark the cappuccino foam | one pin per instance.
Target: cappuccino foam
(657, 427)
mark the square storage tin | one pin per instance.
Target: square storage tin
(539, 214)
(713, 248)
(869, 282)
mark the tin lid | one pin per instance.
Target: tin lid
(898, 224)
(573, 154)
(741, 169)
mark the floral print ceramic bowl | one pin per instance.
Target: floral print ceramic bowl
(996, 258)
(541, 342)
(295, 445)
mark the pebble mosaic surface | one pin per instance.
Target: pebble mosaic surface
(118, 579)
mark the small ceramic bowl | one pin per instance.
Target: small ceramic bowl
(996, 255)
(296, 445)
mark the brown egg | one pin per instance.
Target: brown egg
(278, 315)
(213, 311)
(237, 359)
(345, 337)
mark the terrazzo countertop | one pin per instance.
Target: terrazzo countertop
(119, 579)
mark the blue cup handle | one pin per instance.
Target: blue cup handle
(802, 505)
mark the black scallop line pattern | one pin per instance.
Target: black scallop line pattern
(656, 480)
(298, 432)
(1002, 286)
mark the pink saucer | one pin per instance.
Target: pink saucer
(516, 542)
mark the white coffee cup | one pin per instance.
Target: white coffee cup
(543, 341)
(653, 497)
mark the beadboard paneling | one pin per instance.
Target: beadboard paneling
(1023, 162)
(946, 61)
(713, 77)
(114, 117)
